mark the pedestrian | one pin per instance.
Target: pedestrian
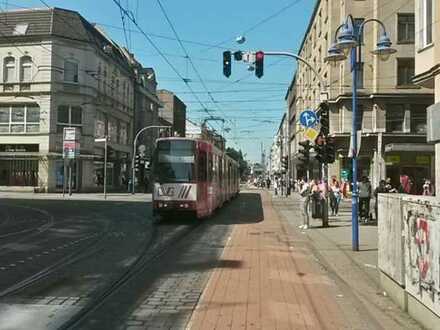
(335, 196)
(306, 198)
(364, 191)
(382, 188)
(389, 186)
(427, 188)
(268, 183)
(275, 186)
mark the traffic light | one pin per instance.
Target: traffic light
(320, 149)
(331, 150)
(137, 161)
(227, 63)
(259, 64)
(238, 55)
(285, 163)
(305, 151)
(323, 114)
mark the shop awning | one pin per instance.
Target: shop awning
(409, 147)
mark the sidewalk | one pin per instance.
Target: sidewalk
(355, 273)
(277, 284)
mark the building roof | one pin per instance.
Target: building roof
(62, 23)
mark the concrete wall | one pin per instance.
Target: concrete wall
(409, 254)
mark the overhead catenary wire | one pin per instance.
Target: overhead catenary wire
(170, 23)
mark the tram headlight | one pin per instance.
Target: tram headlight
(160, 204)
(186, 205)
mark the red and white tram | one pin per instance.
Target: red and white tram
(192, 175)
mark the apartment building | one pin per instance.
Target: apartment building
(392, 110)
(58, 70)
(280, 147)
(427, 72)
(173, 111)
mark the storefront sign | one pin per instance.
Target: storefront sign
(423, 160)
(19, 147)
(395, 159)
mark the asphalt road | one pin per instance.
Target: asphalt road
(81, 264)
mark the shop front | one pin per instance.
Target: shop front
(19, 165)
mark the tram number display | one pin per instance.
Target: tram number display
(168, 191)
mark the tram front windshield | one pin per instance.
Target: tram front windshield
(174, 161)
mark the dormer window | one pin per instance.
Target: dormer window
(20, 29)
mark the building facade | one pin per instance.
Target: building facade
(427, 69)
(280, 148)
(391, 113)
(60, 71)
(173, 111)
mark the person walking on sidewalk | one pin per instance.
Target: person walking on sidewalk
(305, 193)
(380, 189)
(335, 196)
(364, 198)
(275, 185)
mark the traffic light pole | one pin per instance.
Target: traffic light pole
(133, 175)
(323, 87)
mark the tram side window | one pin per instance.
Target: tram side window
(203, 166)
(210, 167)
(220, 172)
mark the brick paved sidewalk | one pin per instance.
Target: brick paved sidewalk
(275, 284)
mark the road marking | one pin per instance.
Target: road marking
(370, 266)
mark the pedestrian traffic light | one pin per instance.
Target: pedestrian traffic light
(305, 151)
(227, 63)
(259, 64)
(323, 114)
(285, 163)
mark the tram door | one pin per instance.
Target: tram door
(202, 187)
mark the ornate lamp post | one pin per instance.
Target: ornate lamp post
(348, 41)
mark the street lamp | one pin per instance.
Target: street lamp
(346, 40)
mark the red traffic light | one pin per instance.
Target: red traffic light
(259, 55)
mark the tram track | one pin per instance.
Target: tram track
(156, 247)
(27, 232)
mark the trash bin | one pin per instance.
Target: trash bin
(317, 206)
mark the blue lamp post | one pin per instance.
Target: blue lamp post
(348, 41)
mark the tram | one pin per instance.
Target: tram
(192, 176)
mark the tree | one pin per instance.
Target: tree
(242, 163)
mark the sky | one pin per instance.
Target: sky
(251, 108)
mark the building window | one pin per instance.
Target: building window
(357, 25)
(425, 23)
(123, 133)
(70, 71)
(395, 117)
(20, 119)
(100, 125)
(69, 116)
(360, 75)
(25, 69)
(418, 119)
(359, 117)
(9, 70)
(405, 71)
(405, 28)
(112, 130)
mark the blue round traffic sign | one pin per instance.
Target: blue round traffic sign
(308, 118)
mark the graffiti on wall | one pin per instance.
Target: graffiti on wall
(422, 254)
